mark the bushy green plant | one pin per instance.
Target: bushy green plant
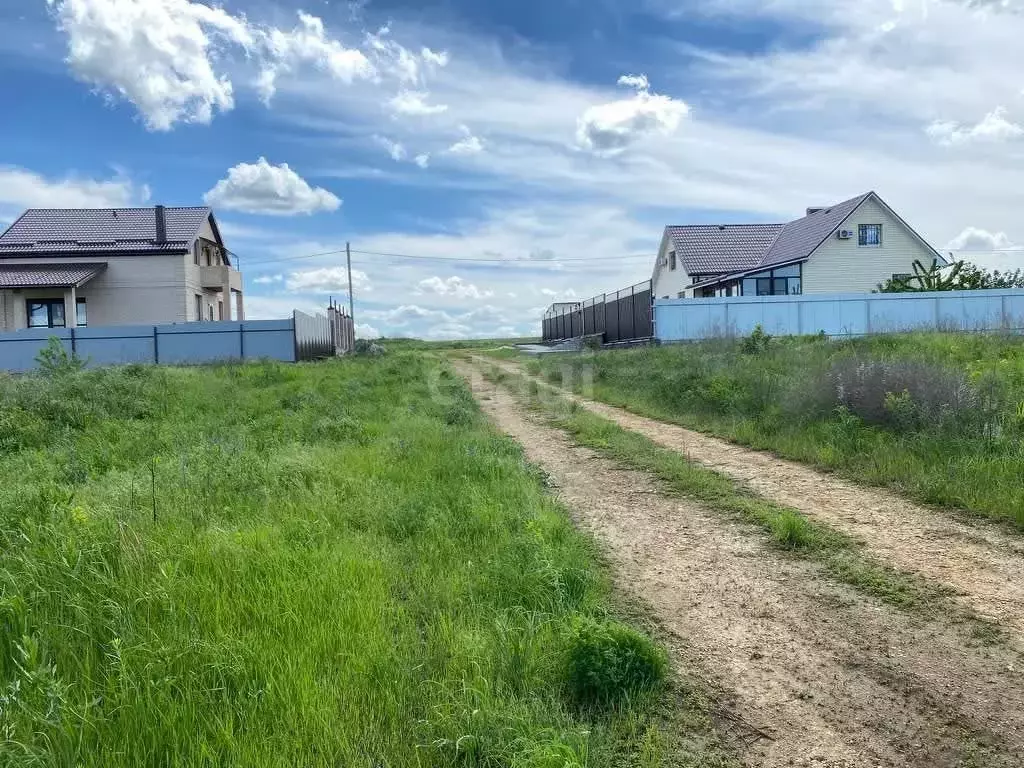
(54, 360)
(609, 662)
(757, 342)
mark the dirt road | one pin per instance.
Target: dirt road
(835, 679)
(982, 564)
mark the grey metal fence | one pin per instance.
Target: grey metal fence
(624, 315)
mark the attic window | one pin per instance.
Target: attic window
(672, 260)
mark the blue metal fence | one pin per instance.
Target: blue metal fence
(180, 344)
(839, 314)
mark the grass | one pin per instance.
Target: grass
(788, 529)
(307, 565)
(938, 417)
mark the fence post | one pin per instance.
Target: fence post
(241, 341)
(156, 345)
(74, 345)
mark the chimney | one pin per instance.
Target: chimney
(161, 225)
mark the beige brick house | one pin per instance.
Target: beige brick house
(76, 267)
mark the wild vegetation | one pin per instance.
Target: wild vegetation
(958, 276)
(937, 416)
(270, 565)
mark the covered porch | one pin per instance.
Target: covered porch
(45, 295)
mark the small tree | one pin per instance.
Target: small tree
(958, 276)
(54, 360)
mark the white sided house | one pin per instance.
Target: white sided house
(66, 268)
(849, 247)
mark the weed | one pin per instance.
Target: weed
(609, 662)
(54, 360)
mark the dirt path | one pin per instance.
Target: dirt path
(836, 680)
(981, 563)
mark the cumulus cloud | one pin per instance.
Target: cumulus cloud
(268, 279)
(309, 44)
(21, 188)
(980, 240)
(467, 145)
(269, 189)
(608, 129)
(157, 54)
(170, 58)
(415, 103)
(453, 286)
(994, 127)
(364, 331)
(394, 148)
(422, 160)
(327, 280)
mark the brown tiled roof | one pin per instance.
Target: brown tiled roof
(48, 275)
(713, 249)
(100, 230)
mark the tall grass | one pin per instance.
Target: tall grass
(268, 565)
(935, 416)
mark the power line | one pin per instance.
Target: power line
(453, 259)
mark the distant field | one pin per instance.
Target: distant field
(413, 344)
(334, 564)
(938, 416)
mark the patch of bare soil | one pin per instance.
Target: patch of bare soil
(830, 677)
(981, 563)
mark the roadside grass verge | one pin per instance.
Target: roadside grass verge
(938, 417)
(314, 565)
(842, 557)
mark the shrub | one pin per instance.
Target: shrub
(757, 342)
(609, 662)
(54, 360)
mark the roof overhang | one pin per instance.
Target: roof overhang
(752, 271)
(48, 275)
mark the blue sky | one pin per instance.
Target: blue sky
(525, 152)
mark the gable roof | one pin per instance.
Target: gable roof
(73, 231)
(714, 249)
(800, 238)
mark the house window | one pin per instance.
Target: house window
(220, 310)
(195, 253)
(901, 277)
(211, 312)
(672, 260)
(795, 286)
(199, 306)
(764, 286)
(728, 290)
(209, 257)
(45, 313)
(81, 314)
(870, 235)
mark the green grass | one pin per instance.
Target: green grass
(309, 565)
(788, 529)
(963, 451)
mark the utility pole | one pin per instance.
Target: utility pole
(351, 302)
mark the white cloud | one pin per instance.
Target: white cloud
(422, 160)
(157, 54)
(327, 280)
(364, 331)
(435, 58)
(22, 188)
(978, 240)
(268, 279)
(394, 148)
(608, 129)
(467, 145)
(269, 189)
(308, 43)
(994, 127)
(415, 103)
(452, 286)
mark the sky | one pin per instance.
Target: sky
(485, 159)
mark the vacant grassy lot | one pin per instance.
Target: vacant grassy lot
(265, 565)
(939, 417)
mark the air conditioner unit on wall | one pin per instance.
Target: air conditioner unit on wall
(845, 234)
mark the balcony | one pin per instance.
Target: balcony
(214, 278)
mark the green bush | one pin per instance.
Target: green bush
(609, 662)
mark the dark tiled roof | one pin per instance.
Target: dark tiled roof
(714, 249)
(91, 230)
(47, 275)
(800, 238)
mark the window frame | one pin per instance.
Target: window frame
(198, 306)
(81, 312)
(672, 261)
(862, 235)
(49, 304)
